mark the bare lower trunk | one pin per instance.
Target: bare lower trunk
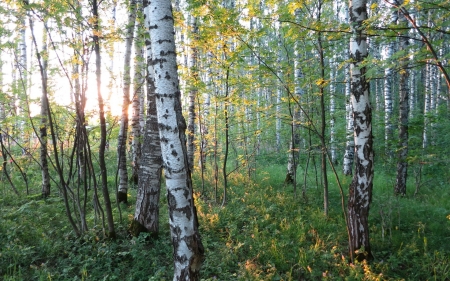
(360, 191)
(146, 215)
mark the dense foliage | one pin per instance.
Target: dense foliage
(262, 234)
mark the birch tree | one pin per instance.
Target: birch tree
(123, 133)
(44, 114)
(296, 115)
(137, 125)
(388, 77)
(350, 140)
(402, 164)
(192, 94)
(187, 245)
(146, 215)
(360, 191)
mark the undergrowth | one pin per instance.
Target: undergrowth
(263, 233)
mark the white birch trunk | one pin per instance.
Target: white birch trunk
(427, 106)
(44, 115)
(279, 93)
(388, 104)
(388, 107)
(138, 97)
(149, 185)
(188, 249)
(192, 94)
(402, 150)
(333, 109)
(296, 116)
(412, 91)
(349, 154)
(123, 132)
(434, 79)
(360, 192)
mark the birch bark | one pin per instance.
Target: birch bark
(192, 95)
(146, 215)
(350, 140)
(402, 164)
(123, 132)
(138, 97)
(188, 249)
(360, 191)
(333, 108)
(44, 114)
(296, 115)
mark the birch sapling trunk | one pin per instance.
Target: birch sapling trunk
(360, 191)
(426, 109)
(291, 174)
(402, 163)
(138, 98)
(192, 95)
(187, 245)
(101, 106)
(123, 132)
(333, 108)
(279, 93)
(43, 126)
(349, 154)
(388, 106)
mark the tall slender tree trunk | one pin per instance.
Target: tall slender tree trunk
(137, 119)
(427, 106)
(333, 108)
(388, 103)
(324, 150)
(402, 164)
(227, 139)
(43, 126)
(412, 91)
(138, 98)
(350, 140)
(279, 94)
(360, 192)
(23, 63)
(101, 150)
(123, 132)
(192, 94)
(187, 245)
(291, 174)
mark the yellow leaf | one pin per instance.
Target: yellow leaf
(294, 6)
(373, 6)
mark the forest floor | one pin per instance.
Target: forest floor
(263, 233)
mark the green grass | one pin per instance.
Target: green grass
(263, 233)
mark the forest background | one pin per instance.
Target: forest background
(266, 89)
